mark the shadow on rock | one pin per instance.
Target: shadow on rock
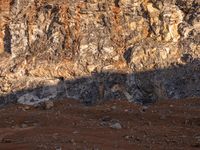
(176, 82)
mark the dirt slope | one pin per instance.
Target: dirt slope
(69, 125)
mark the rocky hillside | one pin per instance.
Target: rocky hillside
(91, 50)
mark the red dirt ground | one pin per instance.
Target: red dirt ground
(71, 126)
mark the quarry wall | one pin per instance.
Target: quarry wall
(140, 50)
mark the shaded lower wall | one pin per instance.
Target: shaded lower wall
(144, 87)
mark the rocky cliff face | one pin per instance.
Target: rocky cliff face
(140, 50)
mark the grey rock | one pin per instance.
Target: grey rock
(116, 126)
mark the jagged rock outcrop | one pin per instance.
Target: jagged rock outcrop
(140, 50)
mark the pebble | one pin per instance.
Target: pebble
(58, 148)
(143, 109)
(48, 105)
(7, 140)
(106, 118)
(72, 141)
(113, 107)
(27, 107)
(24, 125)
(126, 110)
(75, 132)
(116, 126)
(128, 137)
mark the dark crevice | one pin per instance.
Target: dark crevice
(127, 55)
(12, 2)
(117, 3)
(7, 39)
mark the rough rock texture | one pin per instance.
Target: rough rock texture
(139, 50)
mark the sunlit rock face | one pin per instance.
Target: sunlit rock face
(4, 13)
(93, 50)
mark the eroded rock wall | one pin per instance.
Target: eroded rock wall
(140, 50)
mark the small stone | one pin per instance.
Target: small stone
(197, 137)
(75, 132)
(58, 148)
(72, 141)
(27, 107)
(126, 110)
(128, 137)
(24, 125)
(144, 108)
(48, 105)
(7, 140)
(114, 107)
(116, 126)
(91, 68)
(35, 124)
(103, 123)
(106, 118)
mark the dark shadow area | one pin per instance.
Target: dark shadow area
(7, 39)
(116, 3)
(176, 82)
